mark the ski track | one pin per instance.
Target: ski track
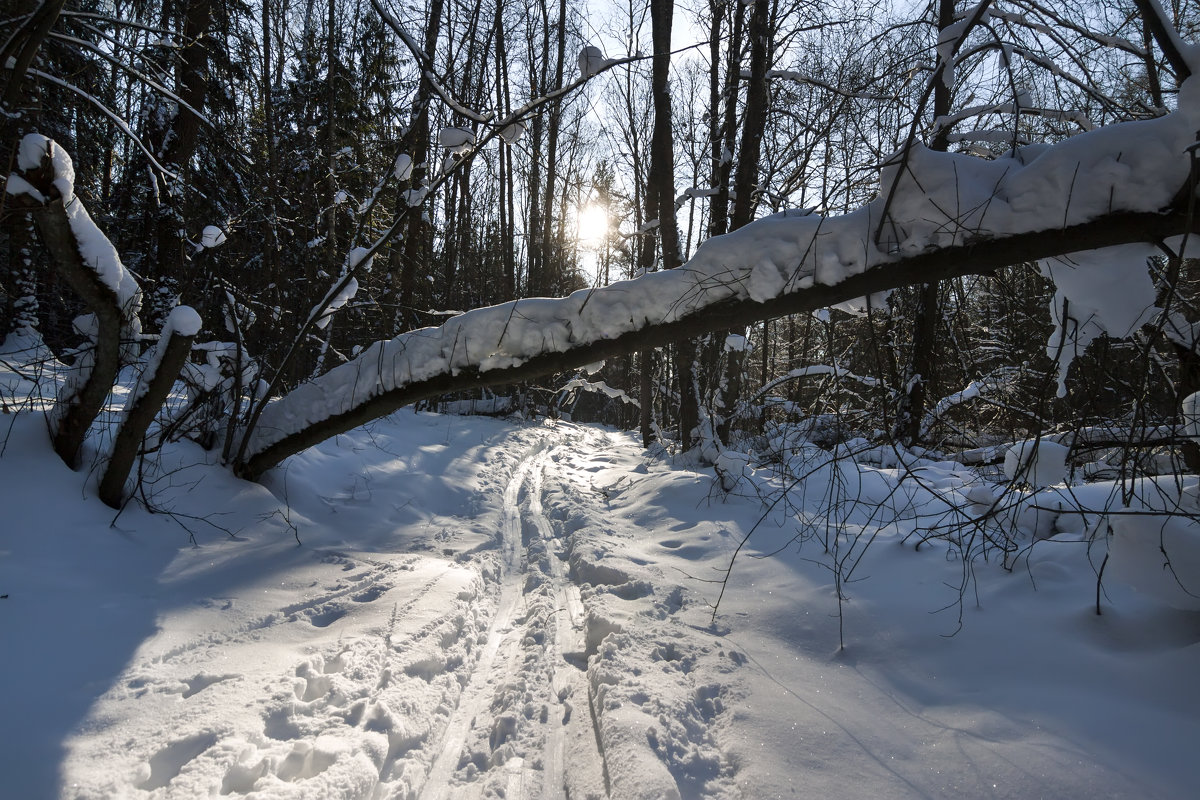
(410, 688)
(527, 702)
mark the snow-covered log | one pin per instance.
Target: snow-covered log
(949, 215)
(1083, 440)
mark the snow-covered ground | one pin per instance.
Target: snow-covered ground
(442, 606)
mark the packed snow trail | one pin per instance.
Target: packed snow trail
(339, 673)
(522, 648)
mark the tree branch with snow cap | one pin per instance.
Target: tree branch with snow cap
(949, 215)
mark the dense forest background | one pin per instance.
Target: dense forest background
(236, 154)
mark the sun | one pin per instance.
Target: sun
(591, 224)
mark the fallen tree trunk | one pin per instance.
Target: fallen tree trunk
(976, 257)
(945, 215)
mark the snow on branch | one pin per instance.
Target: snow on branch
(949, 214)
(574, 385)
(838, 373)
(975, 389)
(44, 184)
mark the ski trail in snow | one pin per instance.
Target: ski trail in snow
(577, 733)
(569, 606)
(476, 695)
(534, 651)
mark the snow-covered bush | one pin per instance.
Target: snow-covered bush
(1036, 462)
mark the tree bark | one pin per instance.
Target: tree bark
(745, 187)
(191, 84)
(549, 273)
(661, 189)
(417, 244)
(754, 122)
(270, 244)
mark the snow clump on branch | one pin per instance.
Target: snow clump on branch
(591, 61)
(403, 169)
(211, 236)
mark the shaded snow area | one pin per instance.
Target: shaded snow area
(480, 608)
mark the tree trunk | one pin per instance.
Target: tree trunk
(549, 275)
(754, 122)
(191, 84)
(415, 253)
(724, 143)
(661, 191)
(745, 186)
(270, 243)
(171, 355)
(922, 362)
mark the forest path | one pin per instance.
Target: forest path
(439, 656)
(525, 712)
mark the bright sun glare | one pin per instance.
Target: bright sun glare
(592, 224)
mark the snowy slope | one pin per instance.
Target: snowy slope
(485, 609)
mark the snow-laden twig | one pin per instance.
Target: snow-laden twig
(597, 387)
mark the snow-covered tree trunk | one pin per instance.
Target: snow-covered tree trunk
(44, 185)
(147, 397)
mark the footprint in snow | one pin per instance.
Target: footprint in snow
(199, 683)
(168, 762)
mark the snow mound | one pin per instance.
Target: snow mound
(1036, 462)
(1158, 556)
